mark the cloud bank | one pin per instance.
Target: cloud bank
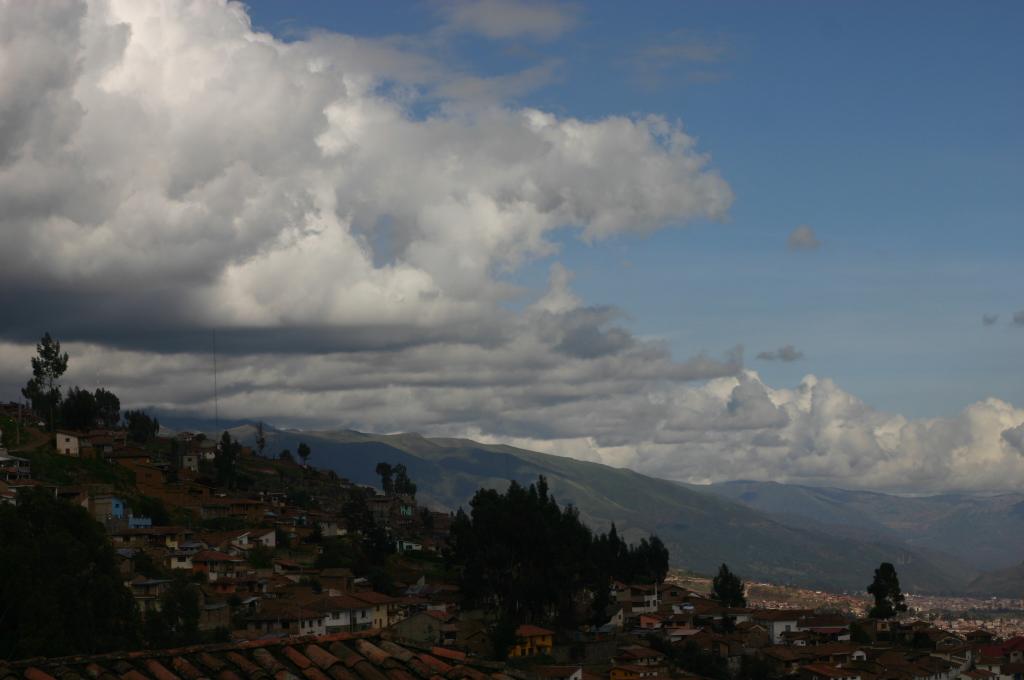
(344, 213)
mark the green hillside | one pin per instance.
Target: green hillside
(700, 529)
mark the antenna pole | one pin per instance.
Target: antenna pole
(216, 409)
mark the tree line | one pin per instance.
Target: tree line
(79, 409)
(531, 560)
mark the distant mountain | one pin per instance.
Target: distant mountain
(1007, 582)
(700, 529)
(983, 532)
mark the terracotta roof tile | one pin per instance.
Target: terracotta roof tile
(399, 674)
(347, 656)
(398, 652)
(267, 660)
(321, 657)
(338, 656)
(243, 664)
(372, 652)
(297, 658)
(368, 671)
(435, 664)
(314, 673)
(210, 661)
(94, 670)
(33, 673)
(185, 668)
(421, 669)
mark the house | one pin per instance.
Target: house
(190, 462)
(68, 443)
(13, 468)
(151, 537)
(631, 672)
(425, 628)
(777, 621)
(559, 672)
(147, 592)
(285, 616)
(821, 671)
(532, 641)
(217, 565)
(105, 507)
(384, 610)
(342, 613)
(638, 655)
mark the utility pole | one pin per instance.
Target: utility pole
(216, 410)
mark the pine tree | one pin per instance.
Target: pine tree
(728, 588)
(43, 389)
(889, 599)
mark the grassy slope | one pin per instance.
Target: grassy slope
(700, 529)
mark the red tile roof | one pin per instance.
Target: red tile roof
(341, 656)
(527, 630)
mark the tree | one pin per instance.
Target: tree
(78, 411)
(885, 588)
(304, 452)
(43, 388)
(151, 507)
(141, 428)
(60, 589)
(286, 456)
(386, 482)
(177, 622)
(108, 408)
(261, 439)
(521, 554)
(728, 588)
(224, 460)
(403, 484)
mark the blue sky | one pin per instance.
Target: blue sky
(892, 129)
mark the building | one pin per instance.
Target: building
(68, 443)
(13, 468)
(532, 641)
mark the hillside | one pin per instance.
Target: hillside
(1007, 582)
(984, 530)
(700, 529)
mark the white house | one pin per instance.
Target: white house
(68, 443)
(776, 621)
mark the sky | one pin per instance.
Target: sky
(703, 240)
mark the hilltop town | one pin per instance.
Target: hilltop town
(297, 571)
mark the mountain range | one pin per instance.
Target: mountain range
(812, 537)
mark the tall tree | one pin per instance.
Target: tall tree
(403, 484)
(727, 588)
(386, 473)
(43, 388)
(177, 622)
(304, 452)
(261, 439)
(108, 408)
(889, 599)
(60, 589)
(78, 411)
(141, 427)
(225, 458)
